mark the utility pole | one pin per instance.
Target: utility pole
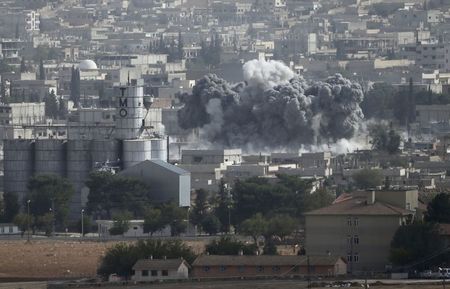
(309, 271)
(28, 221)
(82, 223)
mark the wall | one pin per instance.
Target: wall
(328, 233)
(261, 271)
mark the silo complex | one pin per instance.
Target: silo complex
(50, 157)
(75, 158)
(18, 165)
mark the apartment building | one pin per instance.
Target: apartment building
(360, 227)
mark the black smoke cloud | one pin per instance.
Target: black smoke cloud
(273, 108)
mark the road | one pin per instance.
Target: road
(273, 284)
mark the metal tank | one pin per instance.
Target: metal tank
(78, 162)
(50, 157)
(104, 151)
(129, 110)
(18, 166)
(159, 149)
(136, 151)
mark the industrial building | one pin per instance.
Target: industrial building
(128, 143)
(166, 181)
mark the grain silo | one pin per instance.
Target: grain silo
(18, 165)
(50, 157)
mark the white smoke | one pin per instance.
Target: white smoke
(266, 74)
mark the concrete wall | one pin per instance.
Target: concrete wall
(331, 234)
(181, 273)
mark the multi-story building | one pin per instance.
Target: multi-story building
(360, 227)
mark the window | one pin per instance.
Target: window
(144, 272)
(10, 229)
(223, 268)
(356, 258)
(356, 239)
(206, 268)
(349, 221)
(349, 257)
(349, 239)
(259, 269)
(154, 273)
(355, 222)
(275, 268)
(241, 268)
(165, 273)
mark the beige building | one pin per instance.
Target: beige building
(162, 269)
(360, 227)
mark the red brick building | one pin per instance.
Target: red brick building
(218, 266)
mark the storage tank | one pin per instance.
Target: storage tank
(159, 149)
(129, 109)
(78, 162)
(136, 151)
(18, 166)
(50, 157)
(103, 151)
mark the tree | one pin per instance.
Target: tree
(415, 242)
(10, 207)
(41, 70)
(200, 209)
(378, 101)
(50, 192)
(368, 178)
(75, 89)
(108, 192)
(21, 220)
(62, 109)
(5, 67)
(153, 221)
(230, 246)
(280, 226)
(86, 227)
(120, 258)
(121, 223)
(45, 223)
(175, 217)
(23, 66)
(51, 105)
(211, 224)
(438, 210)
(384, 138)
(255, 227)
(223, 206)
(180, 46)
(319, 199)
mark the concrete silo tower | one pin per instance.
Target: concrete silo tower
(129, 110)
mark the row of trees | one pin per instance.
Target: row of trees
(419, 245)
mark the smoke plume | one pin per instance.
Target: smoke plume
(272, 109)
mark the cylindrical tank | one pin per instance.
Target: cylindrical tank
(50, 157)
(78, 162)
(159, 149)
(18, 166)
(103, 151)
(136, 151)
(129, 110)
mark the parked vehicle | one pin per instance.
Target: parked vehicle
(427, 274)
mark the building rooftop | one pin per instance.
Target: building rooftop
(161, 264)
(263, 260)
(358, 206)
